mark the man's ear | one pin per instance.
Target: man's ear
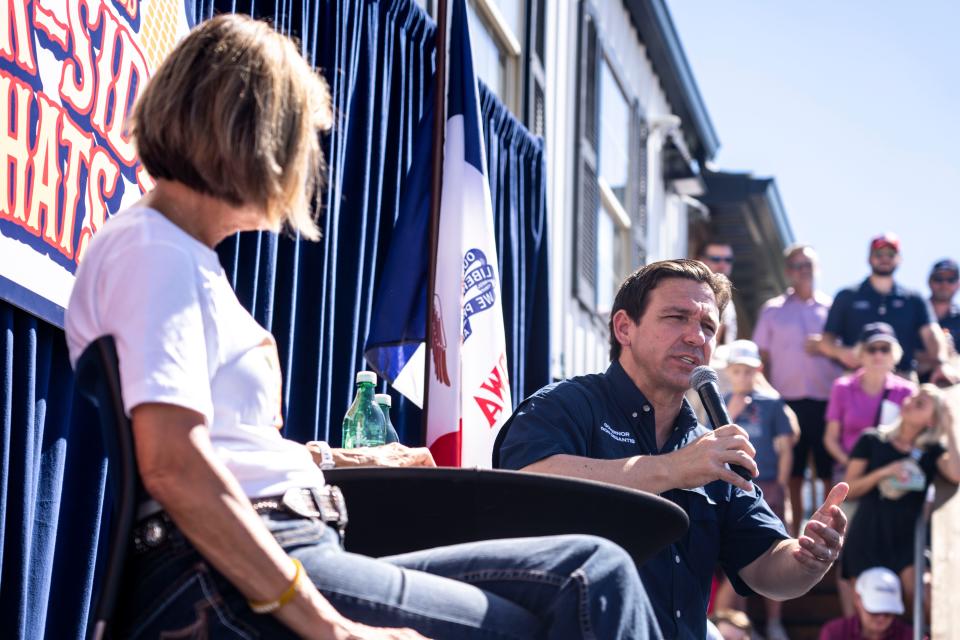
(621, 327)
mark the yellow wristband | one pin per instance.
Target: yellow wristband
(285, 597)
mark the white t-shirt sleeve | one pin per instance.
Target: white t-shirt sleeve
(151, 304)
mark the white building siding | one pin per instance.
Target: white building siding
(579, 341)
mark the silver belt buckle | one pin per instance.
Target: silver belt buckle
(333, 508)
(300, 502)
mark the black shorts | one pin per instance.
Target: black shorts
(811, 414)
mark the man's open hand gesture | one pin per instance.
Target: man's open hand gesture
(822, 538)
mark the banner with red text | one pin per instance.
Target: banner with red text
(70, 71)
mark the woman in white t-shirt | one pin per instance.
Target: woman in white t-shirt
(228, 129)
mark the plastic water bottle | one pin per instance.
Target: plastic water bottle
(363, 426)
(385, 402)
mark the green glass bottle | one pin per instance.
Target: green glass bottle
(363, 426)
(385, 402)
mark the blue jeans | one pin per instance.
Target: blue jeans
(559, 587)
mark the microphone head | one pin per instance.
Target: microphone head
(703, 375)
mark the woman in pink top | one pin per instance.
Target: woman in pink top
(857, 400)
(857, 403)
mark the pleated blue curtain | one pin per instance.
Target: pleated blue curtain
(518, 186)
(378, 59)
(316, 298)
(52, 479)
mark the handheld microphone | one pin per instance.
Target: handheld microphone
(704, 381)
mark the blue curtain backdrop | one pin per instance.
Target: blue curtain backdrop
(314, 297)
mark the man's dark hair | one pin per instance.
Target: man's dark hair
(634, 293)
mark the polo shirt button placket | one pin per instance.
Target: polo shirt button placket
(646, 408)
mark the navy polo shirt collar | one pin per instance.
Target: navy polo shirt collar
(895, 290)
(632, 402)
(628, 397)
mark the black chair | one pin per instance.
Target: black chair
(408, 509)
(396, 510)
(498, 443)
(98, 379)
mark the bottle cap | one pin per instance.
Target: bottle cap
(383, 398)
(366, 376)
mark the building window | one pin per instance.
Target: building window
(613, 221)
(496, 29)
(611, 175)
(507, 38)
(614, 125)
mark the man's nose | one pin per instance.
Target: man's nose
(694, 335)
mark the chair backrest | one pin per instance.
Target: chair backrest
(98, 379)
(498, 442)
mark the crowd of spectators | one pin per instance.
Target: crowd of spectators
(849, 368)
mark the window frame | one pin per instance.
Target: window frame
(610, 204)
(510, 46)
(630, 217)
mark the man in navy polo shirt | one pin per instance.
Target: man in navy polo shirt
(880, 298)
(631, 426)
(944, 282)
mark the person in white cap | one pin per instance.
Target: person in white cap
(878, 603)
(765, 419)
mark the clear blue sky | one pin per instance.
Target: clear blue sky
(852, 106)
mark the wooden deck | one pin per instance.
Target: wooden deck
(945, 556)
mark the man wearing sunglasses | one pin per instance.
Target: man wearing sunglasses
(718, 256)
(880, 298)
(944, 282)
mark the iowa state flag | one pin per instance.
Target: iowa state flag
(469, 397)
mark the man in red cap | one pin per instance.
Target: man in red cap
(880, 298)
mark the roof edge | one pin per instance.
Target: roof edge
(657, 32)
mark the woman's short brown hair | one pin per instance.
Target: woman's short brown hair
(234, 112)
(634, 292)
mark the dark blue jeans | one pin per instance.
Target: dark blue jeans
(558, 587)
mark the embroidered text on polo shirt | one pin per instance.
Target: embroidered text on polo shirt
(619, 436)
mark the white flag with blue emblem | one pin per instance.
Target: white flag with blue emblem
(469, 387)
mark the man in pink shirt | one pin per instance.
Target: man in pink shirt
(788, 333)
(878, 604)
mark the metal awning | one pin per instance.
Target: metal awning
(747, 213)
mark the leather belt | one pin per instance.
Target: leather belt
(325, 504)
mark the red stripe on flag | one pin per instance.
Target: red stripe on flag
(446, 449)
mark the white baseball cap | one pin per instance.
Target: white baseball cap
(879, 590)
(744, 352)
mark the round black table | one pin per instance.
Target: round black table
(397, 510)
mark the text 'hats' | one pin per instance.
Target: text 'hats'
(887, 239)
(879, 590)
(744, 352)
(877, 332)
(945, 265)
